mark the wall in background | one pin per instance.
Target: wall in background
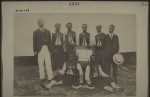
(25, 24)
(129, 60)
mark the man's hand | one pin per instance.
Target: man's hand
(107, 75)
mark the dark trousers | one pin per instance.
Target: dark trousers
(70, 48)
(100, 57)
(67, 79)
(102, 81)
(108, 62)
(58, 57)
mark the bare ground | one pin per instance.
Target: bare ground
(26, 83)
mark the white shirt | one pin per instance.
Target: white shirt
(58, 42)
(84, 41)
(70, 39)
(41, 29)
(111, 35)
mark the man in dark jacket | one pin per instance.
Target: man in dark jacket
(71, 35)
(58, 55)
(111, 48)
(70, 39)
(99, 48)
(84, 37)
(42, 48)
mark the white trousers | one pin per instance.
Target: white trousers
(44, 56)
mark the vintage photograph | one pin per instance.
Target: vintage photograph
(75, 54)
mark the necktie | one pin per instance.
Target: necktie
(111, 36)
(44, 35)
(42, 30)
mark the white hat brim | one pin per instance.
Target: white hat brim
(118, 63)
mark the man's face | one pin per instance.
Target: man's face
(111, 29)
(69, 26)
(84, 27)
(57, 27)
(41, 23)
(93, 59)
(98, 29)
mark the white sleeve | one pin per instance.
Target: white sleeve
(102, 73)
(87, 74)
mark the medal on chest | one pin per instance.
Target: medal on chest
(99, 43)
(95, 73)
(70, 69)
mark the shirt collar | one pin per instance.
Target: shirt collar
(111, 34)
(41, 28)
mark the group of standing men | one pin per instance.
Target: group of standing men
(54, 48)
